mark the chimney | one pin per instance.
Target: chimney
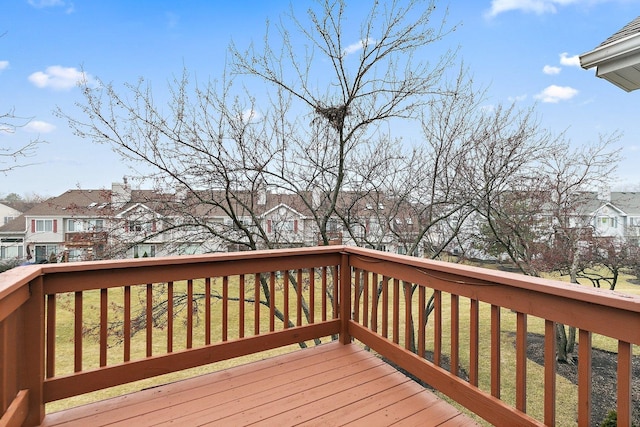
(120, 194)
(262, 194)
(604, 195)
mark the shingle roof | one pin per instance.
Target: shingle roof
(17, 225)
(75, 203)
(631, 28)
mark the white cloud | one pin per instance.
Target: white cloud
(250, 115)
(517, 98)
(4, 65)
(37, 126)
(40, 4)
(554, 94)
(570, 61)
(551, 70)
(538, 7)
(57, 77)
(355, 47)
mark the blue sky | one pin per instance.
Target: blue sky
(522, 50)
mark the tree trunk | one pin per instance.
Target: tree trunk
(561, 344)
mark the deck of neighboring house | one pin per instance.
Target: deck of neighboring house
(329, 385)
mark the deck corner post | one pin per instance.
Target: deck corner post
(345, 298)
(32, 362)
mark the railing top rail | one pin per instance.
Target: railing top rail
(476, 275)
(12, 280)
(184, 260)
(15, 278)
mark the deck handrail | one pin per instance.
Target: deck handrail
(311, 281)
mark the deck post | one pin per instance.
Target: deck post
(345, 298)
(32, 360)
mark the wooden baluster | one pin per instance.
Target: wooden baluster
(299, 298)
(345, 298)
(169, 317)
(286, 298)
(624, 383)
(126, 332)
(312, 298)
(104, 311)
(396, 311)
(584, 377)
(474, 341)
(272, 301)
(385, 306)
(356, 295)
(256, 305)
(149, 319)
(365, 300)
(374, 302)
(77, 332)
(241, 291)
(189, 313)
(207, 309)
(51, 336)
(408, 314)
(336, 286)
(225, 308)
(495, 351)
(437, 327)
(324, 294)
(521, 362)
(455, 334)
(422, 320)
(549, 373)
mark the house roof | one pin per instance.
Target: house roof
(625, 202)
(18, 205)
(75, 203)
(617, 59)
(17, 225)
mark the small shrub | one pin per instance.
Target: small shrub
(611, 420)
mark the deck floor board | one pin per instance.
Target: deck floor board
(327, 385)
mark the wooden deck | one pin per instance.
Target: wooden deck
(327, 385)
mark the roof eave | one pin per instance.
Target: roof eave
(617, 62)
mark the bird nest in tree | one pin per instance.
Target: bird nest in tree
(334, 114)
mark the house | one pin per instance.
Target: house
(615, 214)
(12, 229)
(617, 59)
(123, 222)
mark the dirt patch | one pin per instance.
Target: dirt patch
(603, 386)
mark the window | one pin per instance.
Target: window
(9, 252)
(135, 226)
(76, 255)
(144, 251)
(287, 225)
(46, 253)
(44, 225)
(8, 219)
(76, 225)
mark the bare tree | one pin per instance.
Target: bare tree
(12, 157)
(540, 219)
(321, 115)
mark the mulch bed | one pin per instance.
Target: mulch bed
(603, 388)
(604, 365)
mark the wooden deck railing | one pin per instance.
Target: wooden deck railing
(73, 328)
